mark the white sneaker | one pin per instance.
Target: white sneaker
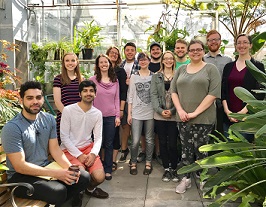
(184, 184)
(202, 185)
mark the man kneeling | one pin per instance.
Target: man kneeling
(81, 136)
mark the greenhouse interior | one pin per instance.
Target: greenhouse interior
(35, 34)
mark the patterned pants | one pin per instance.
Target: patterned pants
(192, 136)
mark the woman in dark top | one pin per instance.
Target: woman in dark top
(114, 55)
(65, 86)
(236, 74)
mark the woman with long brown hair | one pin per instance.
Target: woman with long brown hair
(107, 101)
(65, 86)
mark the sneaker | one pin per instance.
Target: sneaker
(202, 185)
(77, 200)
(166, 176)
(141, 157)
(124, 154)
(183, 185)
(197, 174)
(97, 193)
(175, 177)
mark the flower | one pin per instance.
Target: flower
(9, 103)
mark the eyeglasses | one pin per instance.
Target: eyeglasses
(113, 53)
(195, 50)
(143, 59)
(213, 40)
(242, 43)
(168, 58)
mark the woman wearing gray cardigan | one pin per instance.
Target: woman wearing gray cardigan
(164, 115)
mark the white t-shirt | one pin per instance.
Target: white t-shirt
(128, 68)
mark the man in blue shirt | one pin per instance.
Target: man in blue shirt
(28, 139)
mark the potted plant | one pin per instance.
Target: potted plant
(90, 38)
(38, 57)
(62, 46)
(77, 43)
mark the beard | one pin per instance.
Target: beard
(214, 48)
(156, 58)
(87, 100)
(30, 111)
(181, 56)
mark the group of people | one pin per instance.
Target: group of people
(165, 98)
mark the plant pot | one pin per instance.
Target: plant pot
(58, 54)
(77, 54)
(87, 53)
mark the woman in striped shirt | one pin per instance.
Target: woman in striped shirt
(65, 86)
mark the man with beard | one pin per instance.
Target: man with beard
(181, 53)
(27, 139)
(215, 57)
(81, 136)
(156, 53)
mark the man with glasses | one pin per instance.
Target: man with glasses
(215, 57)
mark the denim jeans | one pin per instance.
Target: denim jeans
(136, 129)
(108, 142)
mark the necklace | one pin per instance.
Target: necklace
(168, 78)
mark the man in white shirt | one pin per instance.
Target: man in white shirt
(81, 136)
(130, 64)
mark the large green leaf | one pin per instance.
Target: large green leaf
(258, 42)
(225, 146)
(257, 103)
(221, 176)
(247, 126)
(243, 94)
(189, 168)
(259, 75)
(259, 114)
(261, 131)
(226, 160)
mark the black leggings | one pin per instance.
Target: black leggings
(168, 135)
(50, 191)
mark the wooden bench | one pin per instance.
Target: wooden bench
(7, 197)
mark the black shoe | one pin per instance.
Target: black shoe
(77, 200)
(97, 193)
(124, 154)
(167, 176)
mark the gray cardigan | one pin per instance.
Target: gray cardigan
(158, 94)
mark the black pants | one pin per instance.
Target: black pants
(51, 191)
(168, 135)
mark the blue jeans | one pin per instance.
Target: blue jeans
(136, 129)
(108, 142)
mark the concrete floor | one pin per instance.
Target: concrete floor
(127, 190)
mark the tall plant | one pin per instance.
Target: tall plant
(241, 164)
